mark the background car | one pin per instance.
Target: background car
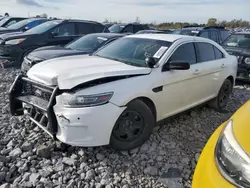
(116, 95)
(7, 21)
(151, 31)
(238, 44)
(108, 24)
(14, 47)
(23, 25)
(215, 33)
(84, 45)
(128, 28)
(225, 160)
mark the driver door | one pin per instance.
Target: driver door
(181, 87)
(63, 34)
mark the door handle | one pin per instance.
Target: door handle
(223, 65)
(196, 72)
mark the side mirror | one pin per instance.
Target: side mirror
(176, 65)
(150, 61)
(25, 29)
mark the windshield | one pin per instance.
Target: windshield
(238, 40)
(44, 27)
(20, 24)
(3, 21)
(116, 28)
(88, 43)
(134, 51)
(185, 32)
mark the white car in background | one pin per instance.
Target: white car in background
(117, 95)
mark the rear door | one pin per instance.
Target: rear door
(62, 34)
(209, 66)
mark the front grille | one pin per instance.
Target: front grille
(30, 89)
(38, 99)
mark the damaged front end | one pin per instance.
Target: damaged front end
(243, 72)
(37, 99)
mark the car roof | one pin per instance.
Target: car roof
(164, 37)
(84, 21)
(109, 35)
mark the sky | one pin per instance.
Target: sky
(148, 11)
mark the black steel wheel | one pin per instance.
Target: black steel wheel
(220, 102)
(133, 127)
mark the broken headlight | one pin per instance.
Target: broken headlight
(247, 60)
(232, 161)
(78, 101)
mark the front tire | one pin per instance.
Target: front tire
(133, 127)
(220, 102)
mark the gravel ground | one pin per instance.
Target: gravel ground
(29, 158)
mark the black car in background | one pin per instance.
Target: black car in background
(7, 21)
(23, 25)
(15, 46)
(151, 31)
(215, 33)
(238, 44)
(128, 28)
(84, 45)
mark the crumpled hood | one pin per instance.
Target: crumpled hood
(68, 72)
(50, 52)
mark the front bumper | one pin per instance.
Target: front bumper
(11, 52)
(207, 175)
(89, 126)
(243, 72)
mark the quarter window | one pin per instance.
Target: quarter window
(218, 53)
(205, 52)
(128, 29)
(186, 53)
(67, 29)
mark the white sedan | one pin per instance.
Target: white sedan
(117, 95)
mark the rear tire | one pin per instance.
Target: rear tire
(133, 127)
(220, 102)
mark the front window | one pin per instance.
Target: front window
(185, 32)
(3, 21)
(44, 27)
(116, 28)
(88, 43)
(19, 24)
(238, 40)
(134, 51)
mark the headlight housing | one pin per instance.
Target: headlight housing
(247, 60)
(14, 41)
(78, 101)
(232, 161)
